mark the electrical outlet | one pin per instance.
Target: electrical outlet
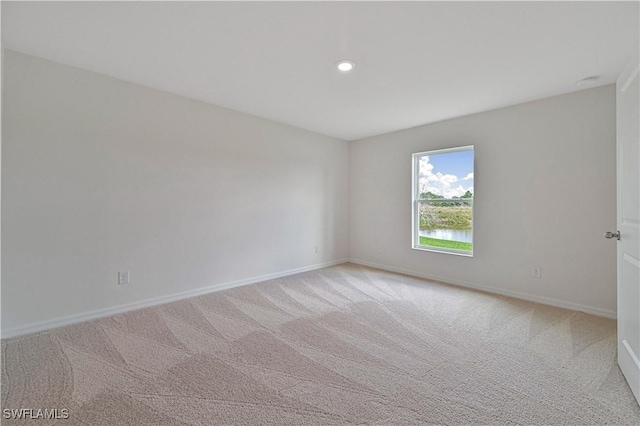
(123, 277)
(317, 249)
(536, 271)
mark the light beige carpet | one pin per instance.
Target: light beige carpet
(341, 345)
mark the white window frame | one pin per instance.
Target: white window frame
(416, 201)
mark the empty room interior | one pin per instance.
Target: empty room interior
(320, 213)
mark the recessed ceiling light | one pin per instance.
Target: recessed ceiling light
(589, 81)
(345, 65)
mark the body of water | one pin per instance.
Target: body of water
(462, 235)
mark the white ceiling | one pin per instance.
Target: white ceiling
(417, 62)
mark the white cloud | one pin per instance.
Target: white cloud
(437, 183)
(425, 166)
(469, 176)
(455, 192)
(444, 180)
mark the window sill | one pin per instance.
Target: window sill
(443, 251)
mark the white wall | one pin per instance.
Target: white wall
(544, 195)
(100, 176)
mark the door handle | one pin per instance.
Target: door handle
(610, 235)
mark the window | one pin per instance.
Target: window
(443, 200)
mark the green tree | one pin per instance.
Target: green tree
(430, 195)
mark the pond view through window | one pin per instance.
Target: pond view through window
(443, 200)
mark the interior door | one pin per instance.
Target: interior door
(628, 182)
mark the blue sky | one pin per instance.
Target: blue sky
(448, 174)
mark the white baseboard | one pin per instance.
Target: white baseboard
(101, 313)
(515, 294)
